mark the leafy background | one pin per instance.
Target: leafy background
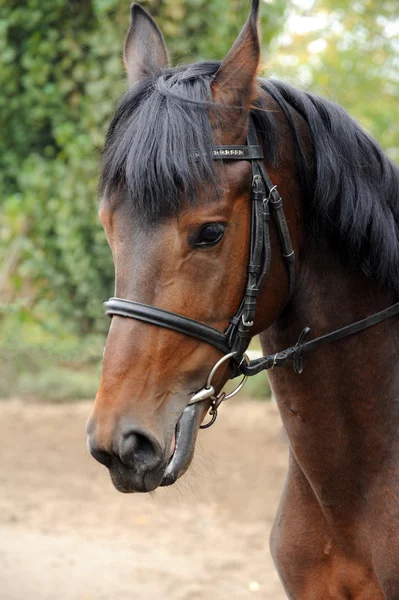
(60, 78)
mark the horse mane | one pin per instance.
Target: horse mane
(351, 189)
(159, 141)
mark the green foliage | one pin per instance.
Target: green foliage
(57, 384)
(257, 387)
(200, 29)
(55, 102)
(41, 359)
(348, 51)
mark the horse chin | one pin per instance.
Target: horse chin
(129, 482)
(186, 435)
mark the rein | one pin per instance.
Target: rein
(234, 341)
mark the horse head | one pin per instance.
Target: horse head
(179, 226)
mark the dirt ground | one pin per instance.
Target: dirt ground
(67, 534)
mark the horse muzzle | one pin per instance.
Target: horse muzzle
(138, 462)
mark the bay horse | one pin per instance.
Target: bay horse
(236, 206)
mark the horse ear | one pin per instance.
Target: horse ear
(145, 51)
(234, 81)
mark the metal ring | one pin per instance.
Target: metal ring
(211, 422)
(222, 396)
(246, 323)
(217, 401)
(242, 382)
(271, 192)
(216, 366)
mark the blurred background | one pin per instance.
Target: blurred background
(61, 76)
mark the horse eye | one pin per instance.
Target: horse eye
(210, 234)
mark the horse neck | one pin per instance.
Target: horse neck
(342, 413)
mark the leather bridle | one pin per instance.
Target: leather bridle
(234, 341)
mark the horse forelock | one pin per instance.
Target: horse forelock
(158, 147)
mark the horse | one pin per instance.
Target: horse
(236, 206)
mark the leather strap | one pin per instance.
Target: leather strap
(264, 194)
(296, 352)
(164, 318)
(276, 205)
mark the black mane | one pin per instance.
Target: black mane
(159, 144)
(352, 189)
(159, 128)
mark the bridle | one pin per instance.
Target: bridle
(234, 341)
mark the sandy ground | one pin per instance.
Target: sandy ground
(67, 534)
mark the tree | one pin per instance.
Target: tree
(347, 50)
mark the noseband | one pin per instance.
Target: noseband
(234, 341)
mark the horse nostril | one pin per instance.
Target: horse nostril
(139, 451)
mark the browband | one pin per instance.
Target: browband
(253, 152)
